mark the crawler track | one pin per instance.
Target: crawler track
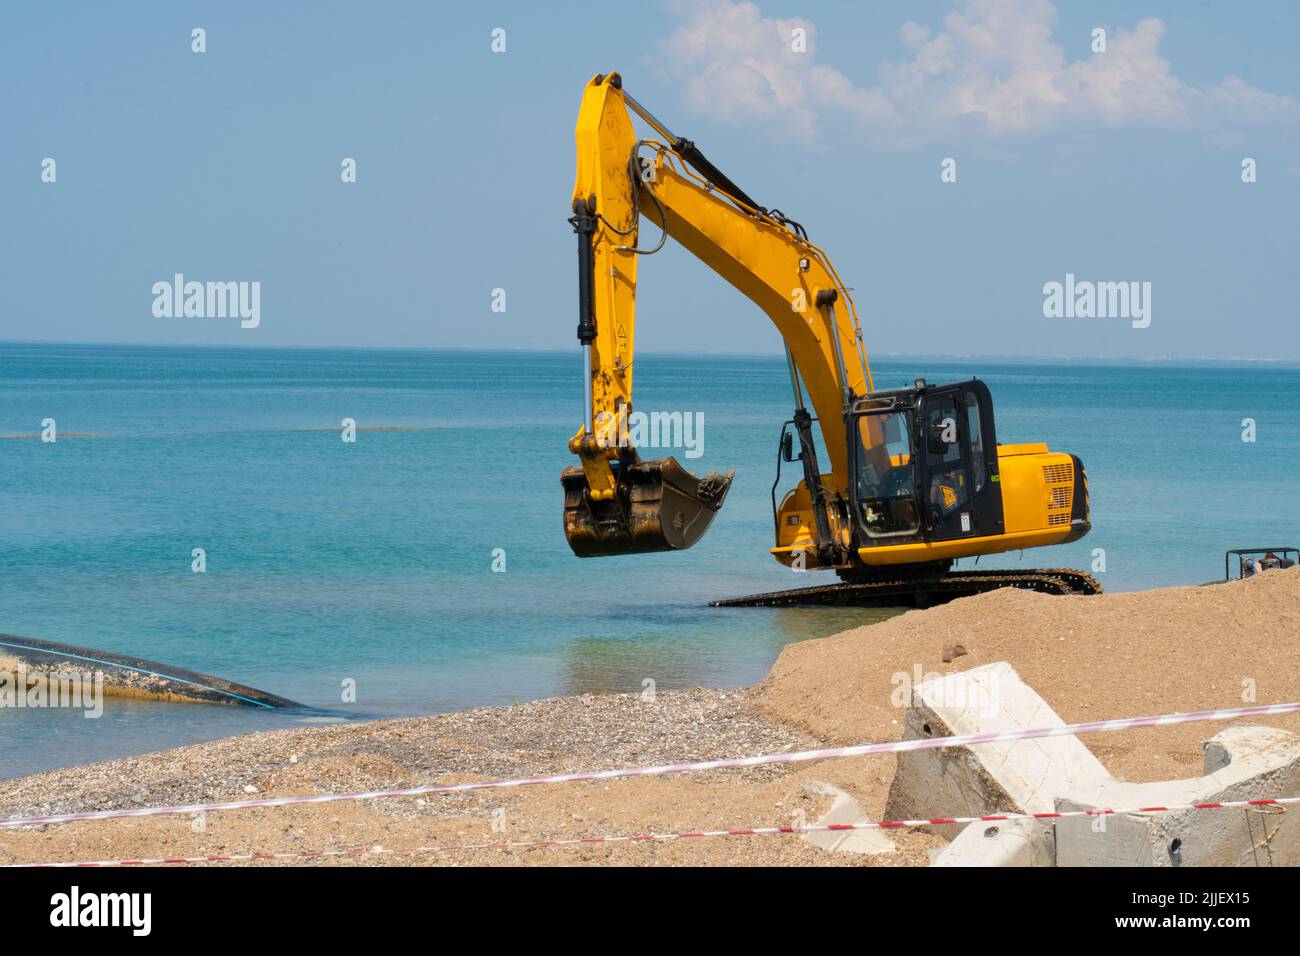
(921, 591)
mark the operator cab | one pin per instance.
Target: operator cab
(925, 464)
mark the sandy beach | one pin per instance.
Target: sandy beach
(1114, 655)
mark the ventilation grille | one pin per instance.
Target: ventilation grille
(1060, 493)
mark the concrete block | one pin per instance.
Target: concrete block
(1025, 775)
(1241, 763)
(1003, 843)
(845, 809)
(1060, 773)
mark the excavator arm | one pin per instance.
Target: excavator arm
(616, 503)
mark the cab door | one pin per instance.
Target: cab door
(947, 488)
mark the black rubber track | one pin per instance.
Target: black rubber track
(921, 591)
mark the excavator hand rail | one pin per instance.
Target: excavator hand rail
(780, 457)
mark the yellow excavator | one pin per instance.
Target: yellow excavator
(915, 479)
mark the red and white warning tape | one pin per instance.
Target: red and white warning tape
(652, 837)
(923, 743)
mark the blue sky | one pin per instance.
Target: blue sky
(225, 165)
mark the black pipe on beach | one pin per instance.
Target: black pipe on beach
(125, 676)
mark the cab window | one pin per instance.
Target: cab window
(886, 496)
(976, 440)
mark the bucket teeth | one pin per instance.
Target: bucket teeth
(659, 506)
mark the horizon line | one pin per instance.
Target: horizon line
(1159, 359)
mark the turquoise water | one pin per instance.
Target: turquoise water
(372, 561)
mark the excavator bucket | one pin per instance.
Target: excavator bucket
(657, 506)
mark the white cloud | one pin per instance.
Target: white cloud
(993, 68)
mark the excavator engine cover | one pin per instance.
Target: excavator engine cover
(657, 506)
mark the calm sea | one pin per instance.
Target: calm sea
(371, 562)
